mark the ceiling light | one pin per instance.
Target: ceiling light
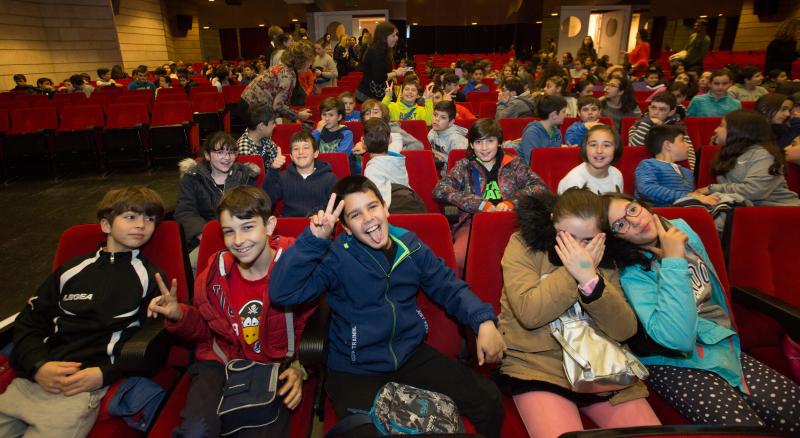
(554, 14)
(414, 24)
(539, 22)
(704, 16)
(206, 27)
(295, 20)
(719, 15)
(474, 23)
(261, 25)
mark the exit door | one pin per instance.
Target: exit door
(607, 25)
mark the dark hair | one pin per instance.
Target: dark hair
(516, 85)
(382, 32)
(281, 39)
(666, 98)
(769, 104)
(628, 98)
(643, 35)
(303, 135)
(481, 129)
(354, 184)
(246, 202)
(167, 79)
(721, 72)
(330, 103)
(259, 114)
(653, 71)
(620, 252)
(20, 77)
(775, 72)
(588, 100)
(448, 107)
(655, 138)
(610, 130)
(41, 81)
(537, 214)
(679, 86)
(745, 129)
(746, 73)
(376, 136)
(449, 78)
(219, 141)
(548, 104)
(139, 199)
(76, 80)
(101, 71)
(583, 83)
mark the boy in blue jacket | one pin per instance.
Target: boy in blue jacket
(372, 273)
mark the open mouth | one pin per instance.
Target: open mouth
(374, 233)
(244, 249)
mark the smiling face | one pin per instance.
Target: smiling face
(590, 113)
(652, 79)
(636, 221)
(582, 230)
(367, 219)
(683, 77)
(128, 231)
(486, 150)
(303, 155)
(247, 239)
(410, 93)
(371, 113)
(220, 160)
(600, 149)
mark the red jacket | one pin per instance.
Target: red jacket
(207, 319)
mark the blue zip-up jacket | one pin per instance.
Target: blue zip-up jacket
(658, 182)
(375, 323)
(536, 136)
(576, 133)
(665, 304)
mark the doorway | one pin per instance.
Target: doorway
(608, 26)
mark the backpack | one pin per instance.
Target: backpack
(406, 201)
(401, 409)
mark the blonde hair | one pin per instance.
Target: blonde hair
(298, 55)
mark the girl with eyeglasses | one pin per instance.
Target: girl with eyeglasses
(686, 337)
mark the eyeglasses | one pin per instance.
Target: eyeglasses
(225, 153)
(612, 86)
(621, 225)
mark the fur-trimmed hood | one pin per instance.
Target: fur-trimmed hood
(194, 167)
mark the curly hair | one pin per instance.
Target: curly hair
(298, 55)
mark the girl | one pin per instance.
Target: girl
(163, 82)
(690, 347)
(377, 63)
(587, 49)
(555, 85)
(486, 180)
(777, 108)
(220, 78)
(561, 245)
(600, 150)
(583, 88)
(619, 101)
(749, 164)
(748, 85)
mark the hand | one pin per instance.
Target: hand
(320, 125)
(793, 154)
(673, 241)
(428, 94)
(304, 114)
(596, 248)
(400, 72)
(702, 191)
(503, 97)
(389, 88)
(490, 343)
(85, 380)
(167, 303)
(708, 200)
(479, 85)
(51, 375)
(359, 148)
(292, 389)
(439, 155)
(502, 207)
(317, 73)
(279, 161)
(448, 96)
(576, 259)
(657, 122)
(589, 125)
(323, 223)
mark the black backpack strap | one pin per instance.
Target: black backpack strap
(349, 423)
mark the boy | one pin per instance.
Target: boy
(406, 107)
(69, 337)
(44, 86)
(445, 135)
(305, 184)
(661, 111)
(257, 138)
(476, 81)
(680, 91)
(104, 78)
(373, 272)
(660, 180)
(330, 134)
(439, 95)
(22, 83)
(717, 102)
(141, 80)
(78, 85)
(232, 317)
(652, 81)
(247, 74)
(401, 140)
(350, 113)
(515, 101)
(384, 168)
(589, 112)
(544, 133)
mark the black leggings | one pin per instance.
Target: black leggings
(705, 397)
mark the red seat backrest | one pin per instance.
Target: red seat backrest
(749, 105)
(422, 176)
(466, 123)
(704, 176)
(136, 98)
(79, 118)
(476, 97)
(552, 164)
(631, 157)
(793, 177)
(458, 154)
(204, 88)
(358, 130)
(339, 161)
(487, 109)
(171, 97)
(232, 93)
(487, 243)
(258, 161)
(765, 259)
(213, 240)
(171, 113)
(102, 100)
(282, 133)
(127, 115)
(49, 104)
(31, 98)
(32, 120)
(701, 129)
(208, 102)
(627, 122)
(172, 90)
(513, 128)
(418, 129)
(5, 121)
(434, 231)
(165, 249)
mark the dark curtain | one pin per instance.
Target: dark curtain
(229, 43)
(254, 41)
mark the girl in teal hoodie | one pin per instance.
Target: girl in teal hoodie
(688, 341)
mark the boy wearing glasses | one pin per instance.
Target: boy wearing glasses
(660, 112)
(204, 182)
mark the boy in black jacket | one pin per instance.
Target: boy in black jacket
(68, 338)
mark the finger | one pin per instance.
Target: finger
(51, 389)
(659, 225)
(481, 355)
(331, 203)
(286, 386)
(294, 398)
(560, 254)
(161, 286)
(339, 209)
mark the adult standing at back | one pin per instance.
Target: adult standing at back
(696, 49)
(639, 57)
(272, 33)
(782, 50)
(276, 85)
(377, 63)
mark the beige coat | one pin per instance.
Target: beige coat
(537, 292)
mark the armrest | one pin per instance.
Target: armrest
(147, 350)
(311, 350)
(785, 314)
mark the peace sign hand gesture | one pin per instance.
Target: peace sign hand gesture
(389, 88)
(323, 223)
(167, 303)
(428, 91)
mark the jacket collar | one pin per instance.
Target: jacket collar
(373, 258)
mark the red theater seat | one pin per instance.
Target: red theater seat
(339, 161)
(125, 135)
(418, 129)
(552, 164)
(704, 175)
(513, 128)
(30, 137)
(210, 113)
(283, 133)
(78, 135)
(173, 132)
(701, 129)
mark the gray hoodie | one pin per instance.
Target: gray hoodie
(750, 178)
(454, 137)
(520, 106)
(385, 170)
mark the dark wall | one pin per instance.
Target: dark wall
(472, 39)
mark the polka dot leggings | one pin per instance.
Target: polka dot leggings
(704, 397)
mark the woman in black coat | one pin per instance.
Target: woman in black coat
(782, 50)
